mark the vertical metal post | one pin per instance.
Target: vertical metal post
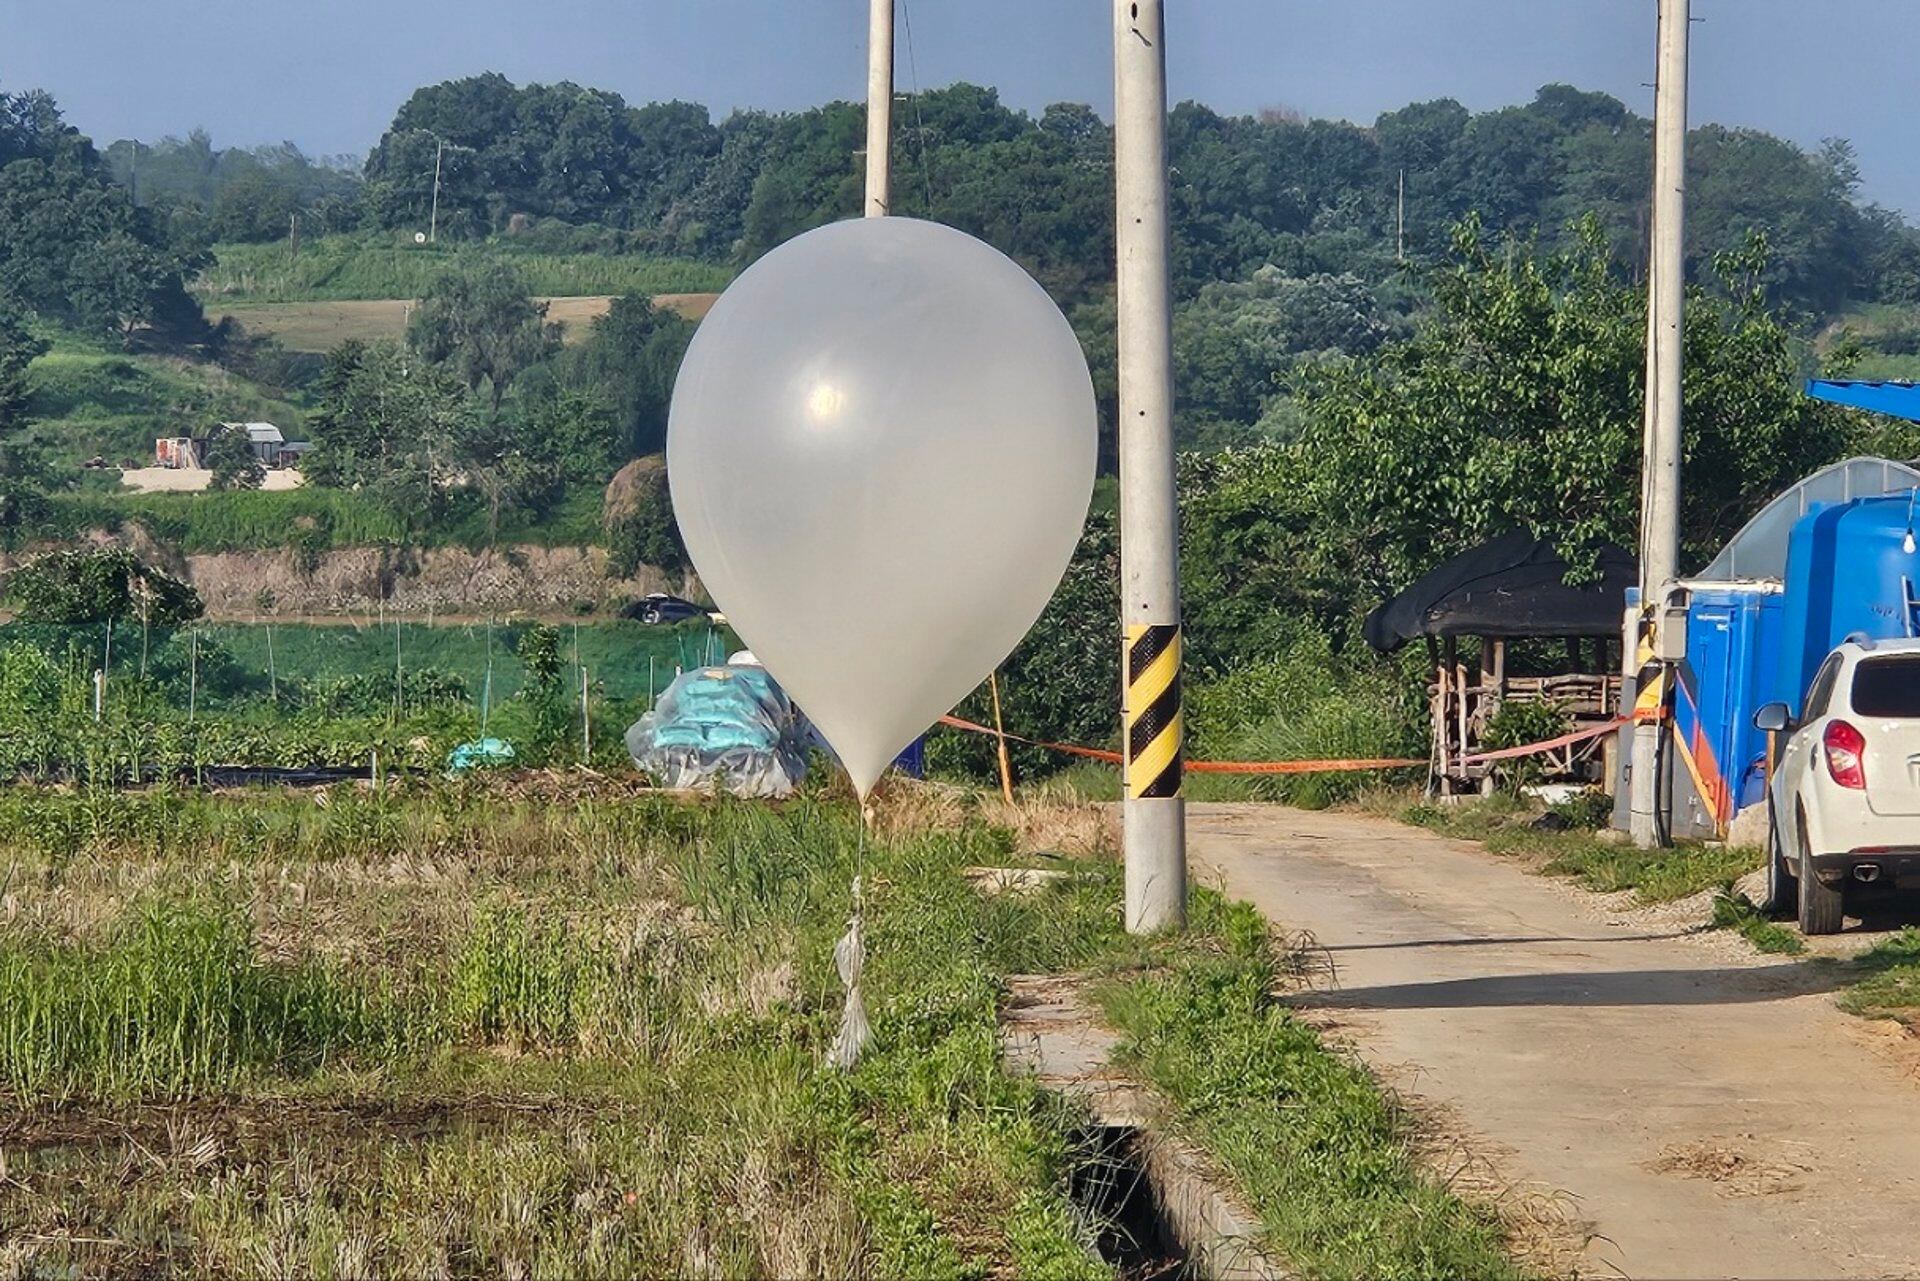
(1660, 504)
(1155, 838)
(880, 109)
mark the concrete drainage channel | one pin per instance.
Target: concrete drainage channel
(1159, 1212)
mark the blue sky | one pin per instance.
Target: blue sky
(327, 74)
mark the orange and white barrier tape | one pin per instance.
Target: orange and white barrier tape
(1311, 767)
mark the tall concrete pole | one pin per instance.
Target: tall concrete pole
(880, 109)
(1660, 497)
(433, 219)
(1155, 833)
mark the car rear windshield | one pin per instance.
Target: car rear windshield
(1887, 686)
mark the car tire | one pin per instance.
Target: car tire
(1822, 907)
(1782, 893)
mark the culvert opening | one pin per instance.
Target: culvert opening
(1109, 1183)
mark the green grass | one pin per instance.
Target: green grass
(1307, 1135)
(1889, 979)
(630, 1087)
(1736, 913)
(314, 517)
(175, 1002)
(478, 1029)
(374, 266)
(1504, 826)
(87, 400)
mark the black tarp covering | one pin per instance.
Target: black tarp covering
(1511, 587)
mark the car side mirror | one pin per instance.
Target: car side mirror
(1773, 718)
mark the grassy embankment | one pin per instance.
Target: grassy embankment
(313, 520)
(368, 266)
(463, 1030)
(88, 397)
(358, 286)
(1888, 336)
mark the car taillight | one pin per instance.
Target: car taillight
(1845, 746)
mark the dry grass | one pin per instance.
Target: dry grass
(1057, 824)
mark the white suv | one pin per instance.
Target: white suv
(1845, 795)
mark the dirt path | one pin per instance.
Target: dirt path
(1710, 1114)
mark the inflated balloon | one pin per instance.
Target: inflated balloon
(881, 451)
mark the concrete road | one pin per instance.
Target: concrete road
(1709, 1114)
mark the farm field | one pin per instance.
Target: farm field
(619, 656)
(372, 267)
(547, 1026)
(320, 326)
(244, 661)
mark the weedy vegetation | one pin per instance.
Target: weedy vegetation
(547, 1027)
(370, 266)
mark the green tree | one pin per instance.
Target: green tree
(72, 243)
(481, 324)
(98, 584)
(638, 516)
(22, 471)
(390, 422)
(629, 362)
(1237, 345)
(1518, 403)
(231, 459)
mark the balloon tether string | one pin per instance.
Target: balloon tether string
(850, 958)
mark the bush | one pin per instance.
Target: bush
(640, 526)
(1516, 724)
(1306, 703)
(98, 584)
(231, 459)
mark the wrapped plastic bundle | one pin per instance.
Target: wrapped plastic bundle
(731, 727)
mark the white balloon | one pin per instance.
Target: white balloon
(881, 451)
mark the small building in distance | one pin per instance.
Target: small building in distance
(269, 444)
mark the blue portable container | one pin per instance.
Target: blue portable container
(1733, 639)
(1824, 560)
(1848, 574)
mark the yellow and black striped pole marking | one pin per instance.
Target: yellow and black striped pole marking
(1152, 711)
(1650, 696)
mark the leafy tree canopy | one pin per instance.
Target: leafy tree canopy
(231, 459)
(1519, 403)
(390, 421)
(480, 322)
(21, 467)
(98, 584)
(72, 244)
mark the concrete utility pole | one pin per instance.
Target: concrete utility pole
(1155, 830)
(880, 110)
(1660, 493)
(433, 219)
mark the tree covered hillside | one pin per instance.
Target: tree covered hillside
(1299, 194)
